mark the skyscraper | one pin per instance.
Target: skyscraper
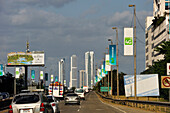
(156, 31)
(89, 68)
(61, 71)
(73, 71)
(81, 78)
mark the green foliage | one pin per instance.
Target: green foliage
(159, 67)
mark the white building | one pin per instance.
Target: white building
(156, 30)
(73, 71)
(81, 78)
(89, 68)
(61, 64)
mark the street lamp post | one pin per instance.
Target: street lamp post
(117, 65)
(134, 48)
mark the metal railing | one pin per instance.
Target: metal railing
(148, 105)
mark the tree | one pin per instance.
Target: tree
(159, 67)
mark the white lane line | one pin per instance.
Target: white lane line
(78, 110)
(112, 106)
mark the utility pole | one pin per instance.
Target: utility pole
(134, 49)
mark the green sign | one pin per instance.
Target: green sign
(104, 89)
(128, 41)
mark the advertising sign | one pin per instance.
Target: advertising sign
(1, 69)
(107, 63)
(21, 58)
(112, 54)
(165, 82)
(104, 68)
(41, 75)
(56, 78)
(102, 73)
(52, 78)
(147, 85)
(128, 41)
(33, 74)
(17, 73)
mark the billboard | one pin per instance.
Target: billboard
(17, 73)
(1, 69)
(112, 54)
(128, 41)
(52, 78)
(107, 63)
(21, 58)
(147, 85)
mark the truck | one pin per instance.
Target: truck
(56, 89)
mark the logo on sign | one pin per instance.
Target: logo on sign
(128, 40)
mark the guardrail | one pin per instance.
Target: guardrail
(148, 105)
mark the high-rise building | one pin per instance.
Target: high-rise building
(73, 71)
(61, 64)
(156, 30)
(81, 78)
(89, 68)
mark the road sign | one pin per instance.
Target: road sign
(104, 89)
(168, 68)
(165, 81)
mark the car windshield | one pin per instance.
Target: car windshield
(50, 98)
(79, 91)
(25, 99)
(72, 94)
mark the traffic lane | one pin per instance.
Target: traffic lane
(91, 104)
(71, 108)
(94, 105)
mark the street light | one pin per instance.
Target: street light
(134, 48)
(117, 65)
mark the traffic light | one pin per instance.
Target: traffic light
(46, 76)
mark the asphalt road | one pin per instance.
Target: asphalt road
(93, 104)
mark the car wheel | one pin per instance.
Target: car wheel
(65, 103)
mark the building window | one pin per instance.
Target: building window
(152, 62)
(167, 6)
(152, 37)
(152, 54)
(146, 50)
(146, 42)
(146, 35)
(152, 46)
(160, 33)
(147, 57)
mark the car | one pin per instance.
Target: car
(30, 103)
(72, 98)
(54, 103)
(5, 95)
(80, 93)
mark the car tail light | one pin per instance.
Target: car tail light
(53, 104)
(42, 107)
(10, 109)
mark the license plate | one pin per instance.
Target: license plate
(26, 111)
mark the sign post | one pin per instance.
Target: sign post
(168, 73)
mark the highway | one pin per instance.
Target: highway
(93, 104)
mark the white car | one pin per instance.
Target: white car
(30, 103)
(80, 93)
(54, 103)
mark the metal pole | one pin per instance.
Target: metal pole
(169, 95)
(108, 82)
(117, 63)
(135, 51)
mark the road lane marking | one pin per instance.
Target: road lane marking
(112, 106)
(78, 110)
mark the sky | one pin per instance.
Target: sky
(62, 28)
